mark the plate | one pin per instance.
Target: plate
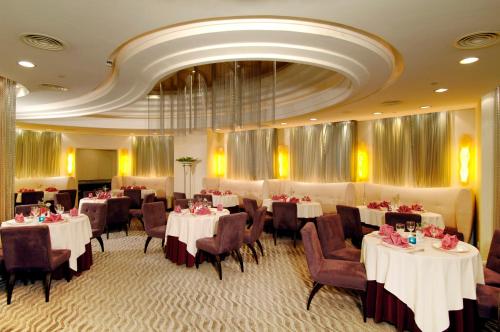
(459, 249)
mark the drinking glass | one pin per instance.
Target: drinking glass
(400, 228)
(59, 209)
(35, 211)
(420, 233)
(410, 225)
(433, 231)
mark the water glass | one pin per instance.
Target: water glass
(420, 233)
(59, 209)
(410, 225)
(400, 228)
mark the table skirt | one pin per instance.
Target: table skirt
(383, 306)
(176, 251)
(84, 262)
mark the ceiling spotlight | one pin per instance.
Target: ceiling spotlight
(154, 96)
(217, 129)
(283, 123)
(441, 90)
(467, 61)
(26, 64)
(313, 119)
(377, 113)
(425, 107)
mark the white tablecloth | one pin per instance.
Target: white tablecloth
(190, 227)
(144, 192)
(304, 209)
(47, 196)
(90, 200)
(377, 217)
(430, 282)
(225, 200)
(73, 234)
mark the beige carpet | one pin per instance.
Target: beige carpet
(126, 290)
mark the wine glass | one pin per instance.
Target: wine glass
(434, 231)
(191, 206)
(410, 225)
(400, 228)
(419, 230)
(35, 211)
(59, 209)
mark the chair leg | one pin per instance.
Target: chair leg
(240, 258)
(46, 285)
(294, 239)
(260, 247)
(363, 304)
(126, 229)
(147, 243)
(197, 259)
(10, 286)
(275, 234)
(99, 239)
(316, 287)
(107, 233)
(67, 271)
(219, 266)
(254, 253)
(163, 242)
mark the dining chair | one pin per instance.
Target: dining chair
(229, 238)
(393, 218)
(337, 273)
(454, 231)
(178, 195)
(250, 206)
(117, 214)
(97, 217)
(72, 195)
(31, 197)
(135, 197)
(25, 209)
(285, 218)
(331, 237)
(64, 199)
(137, 213)
(488, 303)
(252, 235)
(201, 197)
(155, 222)
(492, 268)
(351, 224)
(182, 202)
(28, 249)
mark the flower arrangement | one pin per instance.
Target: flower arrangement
(404, 209)
(306, 198)
(294, 200)
(51, 189)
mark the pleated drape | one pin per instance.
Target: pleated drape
(153, 155)
(251, 154)
(37, 153)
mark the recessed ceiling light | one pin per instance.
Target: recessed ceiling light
(154, 96)
(283, 123)
(377, 113)
(217, 129)
(441, 90)
(313, 119)
(467, 61)
(425, 107)
(26, 64)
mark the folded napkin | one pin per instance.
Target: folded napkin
(203, 192)
(228, 192)
(385, 204)
(428, 231)
(306, 198)
(43, 210)
(19, 217)
(203, 211)
(417, 207)
(294, 200)
(177, 209)
(404, 209)
(51, 189)
(26, 190)
(449, 242)
(53, 218)
(396, 240)
(216, 193)
(220, 207)
(73, 212)
(143, 187)
(103, 195)
(386, 230)
(90, 195)
(275, 197)
(373, 205)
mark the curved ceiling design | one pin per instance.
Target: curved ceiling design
(366, 62)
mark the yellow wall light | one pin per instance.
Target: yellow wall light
(220, 162)
(70, 167)
(283, 162)
(362, 171)
(123, 162)
(464, 156)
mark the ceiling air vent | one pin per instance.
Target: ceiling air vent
(42, 42)
(53, 87)
(391, 102)
(477, 40)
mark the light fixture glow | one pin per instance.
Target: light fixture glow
(71, 161)
(377, 113)
(282, 162)
(26, 64)
(220, 162)
(469, 60)
(464, 156)
(425, 107)
(362, 173)
(441, 90)
(154, 96)
(283, 123)
(123, 162)
(313, 119)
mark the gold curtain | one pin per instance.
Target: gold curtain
(251, 154)
(37, 153)
(7, 150)
(153, 155)
(323, 153)
(412, 150)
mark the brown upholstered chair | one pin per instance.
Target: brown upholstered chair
(337, 273)
(117, 214)
(393, 218)
(351, 224)
(155, 222)
(201, 197)
(97, 217)
(137, 213)
(72, 195)
(64, 199)
(331, 237)
(25, 209)
(229, 238)
(250, 206)
(29, 248)
(285, 218)
(178, 195)
(252, 235)
(492, 269)
(135, 197)
(454, 231)
(182, 202)
(488, 302)
(31, 197)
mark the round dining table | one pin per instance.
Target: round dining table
(376, 217)
(304, 209)
(422, 288)
(93, 200)
(183, 229)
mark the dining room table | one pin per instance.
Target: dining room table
(422, 287)
(305, 209)
(93, 200)
(376, 217)
(183, 229)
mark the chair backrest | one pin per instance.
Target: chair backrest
(183, 202)
(258, 223)
(393, 218)
(493, 261)
(250, 206)
(25, 209)
(312, 248)
(135, 197)
(97, 216)
(351, 223)
(153, 215)
(117, 211)
(149, 198)
(201, 197)
(331, 233)
(26, 247)
(31, 197)
(230, 232)
(72, 195)
(178, 195)
(64, 199)
(285, 216)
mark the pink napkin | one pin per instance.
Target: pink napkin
(203, 192)
(203, 211)
(385, 204)
(294, 200)
(306, 198)
(275, 197)
(417, 207)
(228, 192)
(73, 212)
(386, 229)
(216, 193)
(177, 209)
(397, 240)
(373, 205)
(449, 242)
(220, 207)
(143, 187)
(428, 231)
(90, 195)
(404, 209)
(19, 217)
(53, 218)
(51, 189)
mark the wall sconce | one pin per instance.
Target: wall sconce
(70, 166)
(464, 156)
(220, 163)
(362, 172)
(123, 162)
(283, 162)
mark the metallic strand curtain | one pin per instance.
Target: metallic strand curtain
(413, 150)
(37, 153)
(153, 155)
(323, 153)
(7, 148)
(251, 154)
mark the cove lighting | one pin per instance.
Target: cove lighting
(441, 90)
(470, 60)
(26, 64)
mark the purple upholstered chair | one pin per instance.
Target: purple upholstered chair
(492, 269)
(201, 197)
(137, 213)
(453, 231)
(25, 209)
(252, 235)
(351, 223)
(488, 302)
(393, 218)
(331, 237)
(72, 195)
(285, 218)
(155, 222)
(29, 248)
(178, 195)
(97, 217)
(64, 199)
(117, 214)
(31, 197)
(229, 238)
(337, 273)
(135, 197)
(182, 202)
(250, 206)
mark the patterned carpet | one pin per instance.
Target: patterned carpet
(126, 290)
